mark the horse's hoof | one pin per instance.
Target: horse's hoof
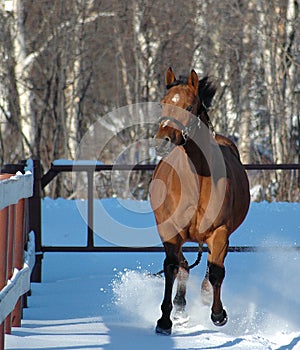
(161, 331)
(219, 319)
(181, 318)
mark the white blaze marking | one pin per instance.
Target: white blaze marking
(165, 123)
(175, 98)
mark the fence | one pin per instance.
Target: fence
(90, 169)
(20, 216)
(15, 235)
(21, 235)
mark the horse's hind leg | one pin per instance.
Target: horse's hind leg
(179, 300)
(171, 265)
(182, 277)
(218, 245)
(206, 289)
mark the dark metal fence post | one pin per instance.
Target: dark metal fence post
(90, 209)
(35, 222)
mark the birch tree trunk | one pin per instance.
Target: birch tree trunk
(63, 66)
(23, 86)
(245, 73)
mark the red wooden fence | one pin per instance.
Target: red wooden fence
(15, 267)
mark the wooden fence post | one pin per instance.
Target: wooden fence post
(13, 253)
(3, 261)
(10, 255)
(3, 254)
(18, 260)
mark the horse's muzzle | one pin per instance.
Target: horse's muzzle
(163, 147)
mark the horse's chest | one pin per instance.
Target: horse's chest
(175, 191)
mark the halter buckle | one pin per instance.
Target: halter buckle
(185, 134)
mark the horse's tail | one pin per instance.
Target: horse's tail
(197, 261)
(199, 256)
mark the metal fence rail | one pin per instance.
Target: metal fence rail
(186, 249)
(90, 169)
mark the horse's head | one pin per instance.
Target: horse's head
(180, 108)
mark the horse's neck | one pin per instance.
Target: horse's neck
(198, 149)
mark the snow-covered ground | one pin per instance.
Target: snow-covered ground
(110, 301)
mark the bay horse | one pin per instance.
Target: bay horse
(199, 192)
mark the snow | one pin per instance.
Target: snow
(16, 187)
(111, 300)
(19, 283)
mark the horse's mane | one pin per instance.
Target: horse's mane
(206, 90)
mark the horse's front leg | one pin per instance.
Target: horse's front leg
(216, 276)
(206, 289)
(164, 324)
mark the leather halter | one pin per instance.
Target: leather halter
(185, 130)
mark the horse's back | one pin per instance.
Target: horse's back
(225, 141)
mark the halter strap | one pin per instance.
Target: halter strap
(185, 130)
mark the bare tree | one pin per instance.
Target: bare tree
(65, 64)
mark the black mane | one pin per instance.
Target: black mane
(206, 90)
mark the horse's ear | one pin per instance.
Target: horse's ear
(193, 80)
(170, 77)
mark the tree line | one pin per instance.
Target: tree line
(66, 63)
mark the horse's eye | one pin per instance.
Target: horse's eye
(189, 108)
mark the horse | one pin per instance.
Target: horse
(199, 193)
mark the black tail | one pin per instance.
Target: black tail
(199, 256)
(197, 262)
